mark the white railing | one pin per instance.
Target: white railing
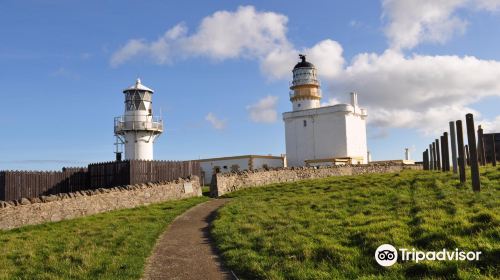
(151, 124)
(297, 82)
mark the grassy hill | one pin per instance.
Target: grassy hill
(330, 228)
(112, 245)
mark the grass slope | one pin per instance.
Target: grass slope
(111, 245)
(330, 228)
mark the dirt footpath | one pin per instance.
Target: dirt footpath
(185, 250)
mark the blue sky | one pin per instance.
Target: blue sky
(220, 71)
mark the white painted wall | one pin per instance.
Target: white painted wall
(331, 131)
(208, 166)
(356, 137)
(305, 104)
(139, 145)
(259, 163)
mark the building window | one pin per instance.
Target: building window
(305, 123)
(298, 105)
(225, 166)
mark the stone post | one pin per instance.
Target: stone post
(453, 147)
(471, 138)
(461, 151)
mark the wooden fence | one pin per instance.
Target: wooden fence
(18, 184)
(116, 173)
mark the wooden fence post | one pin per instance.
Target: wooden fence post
(438, 156)
(493, 147)
(467, 154)
(471, 138)
(480, 146)
(453, 147)
(425, 160)
(434, 155)
(447, 151)
(431, 158)
(443, 154)
(461, 151)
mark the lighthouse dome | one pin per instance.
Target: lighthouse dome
(303, 63)
(138, 86)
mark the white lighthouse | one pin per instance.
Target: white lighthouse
(137, 129)
(318, 135)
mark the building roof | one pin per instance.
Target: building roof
(303, 63)
(138, 86)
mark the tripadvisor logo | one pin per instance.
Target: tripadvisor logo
(387, 255)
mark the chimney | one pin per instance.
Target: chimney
(354, 99)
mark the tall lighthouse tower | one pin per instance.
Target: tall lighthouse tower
(317, 135)
(305, 89)
(137, 129)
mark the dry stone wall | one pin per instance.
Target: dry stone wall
(223, 183)
(65, 206)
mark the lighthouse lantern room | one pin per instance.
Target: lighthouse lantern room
(137, 129)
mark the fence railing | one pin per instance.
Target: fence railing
(152, 124)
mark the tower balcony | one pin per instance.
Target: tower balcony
(299, 82)
(152, 124)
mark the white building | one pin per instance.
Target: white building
(211, 166)
(318, 135)
(137, 129)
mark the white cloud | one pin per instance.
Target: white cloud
(331, 101)
(264, 111)
(327, 57)
(326, 54)
(215, 122)
(244, 33)
(490, 126)
(411, 22)
(490, 5)
(414, 91)
(422, 92)
(133, 48)
(222, 35)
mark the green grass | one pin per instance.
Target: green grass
(111, 245)
(330, 228)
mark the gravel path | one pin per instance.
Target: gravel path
(185, 250)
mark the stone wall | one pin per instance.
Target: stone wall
(230, 182)
(65, 206)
